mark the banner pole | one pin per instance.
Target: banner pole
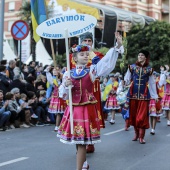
(68, 70)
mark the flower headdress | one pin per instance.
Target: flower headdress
(80, 48)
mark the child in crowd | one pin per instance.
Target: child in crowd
(111, 102)
(24, 104)
(165, 80)
(86, 125)
(57, 105)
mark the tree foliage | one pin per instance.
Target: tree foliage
(155, 38)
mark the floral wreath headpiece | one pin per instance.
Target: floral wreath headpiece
(80, 48)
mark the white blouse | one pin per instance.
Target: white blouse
(102, 68)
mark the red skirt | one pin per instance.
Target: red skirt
(86, 126)
(57, 105)
(139, 113)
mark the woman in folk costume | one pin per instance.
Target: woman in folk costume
(111, 102)
(142, 88)
(57, 105)
(87, 38)
(86, 126)
(165, 80)
(155, 110)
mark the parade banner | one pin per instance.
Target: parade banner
(66, 26)
(77, 24)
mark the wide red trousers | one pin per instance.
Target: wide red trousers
(139, 113)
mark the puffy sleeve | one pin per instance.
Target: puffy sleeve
(162, 80)
(63, 90)
(152, 87)
(127, 77)
(106, 64)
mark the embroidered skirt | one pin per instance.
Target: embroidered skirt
(111, 103)
(155, 108)
(57, 105)
(166, 102)
(86, 126)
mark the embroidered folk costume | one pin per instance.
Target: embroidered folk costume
(165, 80)
(142, 89)
(85, 114)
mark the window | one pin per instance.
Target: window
(157, 2)
(127, 9)
(10, 25)
(11, 6)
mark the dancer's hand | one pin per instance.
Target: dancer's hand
(167, 67)
(119, 39)
(68, 82)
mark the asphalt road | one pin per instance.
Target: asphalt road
(38, 148)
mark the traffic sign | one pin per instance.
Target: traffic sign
(19, 30)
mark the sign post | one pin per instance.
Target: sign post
(19, 31)
(67, 26)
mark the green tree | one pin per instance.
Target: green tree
(155, 38)
(25, 14)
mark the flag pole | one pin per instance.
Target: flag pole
(51, 41)
(68, 70)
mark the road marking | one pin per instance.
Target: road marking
(114, 132)
(13, 161)
(168, 135)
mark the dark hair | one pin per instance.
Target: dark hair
(30, 94)
(9, 96)
(30, 79)
(17, 63)
(31, 62)
(2, 68)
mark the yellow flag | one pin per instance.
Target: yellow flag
(83, 9)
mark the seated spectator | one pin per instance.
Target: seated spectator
(38, 110)
(17, 112)
(40, 83)
(4, 81)
(4, 113)
(25, 105)
(10, 68)
(18, 83)
(25, 71)
(17, 70)
(30, 84)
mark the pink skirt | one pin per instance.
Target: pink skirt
(155, 109)
(86, 126)
(111, 103)
(166, 102)
(57, 105)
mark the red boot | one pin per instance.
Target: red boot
(136, 134)
(141, 136)
(127, 124)
(90, 149)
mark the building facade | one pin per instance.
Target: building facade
(158, 9)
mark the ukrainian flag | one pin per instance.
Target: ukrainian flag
(38, 15)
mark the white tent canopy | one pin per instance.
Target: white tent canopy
(7, 51)
(121, 14)
(41, 54)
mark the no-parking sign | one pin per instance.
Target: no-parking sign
(19, 30)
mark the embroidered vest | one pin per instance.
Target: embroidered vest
(82, 90)
(139, 82)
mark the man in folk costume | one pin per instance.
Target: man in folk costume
(142, 88)
(87, 38)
